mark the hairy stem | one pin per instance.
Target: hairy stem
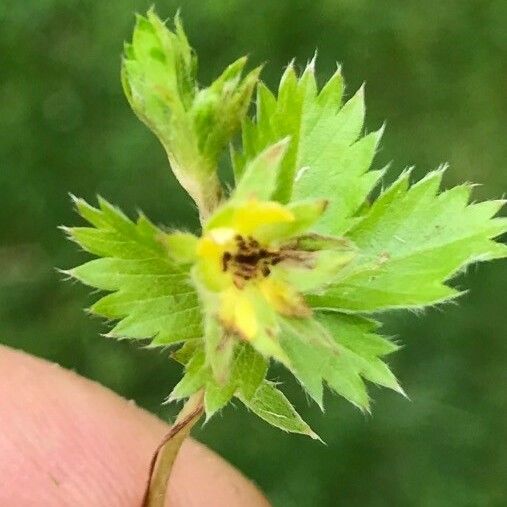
(164, 456)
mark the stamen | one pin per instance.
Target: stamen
(250, 260)
(225, 260)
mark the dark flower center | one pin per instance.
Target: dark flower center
(250, 260)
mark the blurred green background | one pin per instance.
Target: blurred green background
(437, 71)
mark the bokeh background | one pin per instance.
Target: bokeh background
(437, 71)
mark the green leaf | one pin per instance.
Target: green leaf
(186, 351)
(341, 350)
(344, 168)
(181, 246)
(412, 240)
(247, 370)
(357, 334)
(219, 348)
(216, 397)
(220, 109)
(360, 349)
(194, 125)
(260, 176)
(152, 296)
(271, 405)
(324, 268)
(308, 360)
(194, 378)
(325, 160)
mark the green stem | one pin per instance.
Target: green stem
(164, 456)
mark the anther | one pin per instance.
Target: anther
(225, 260)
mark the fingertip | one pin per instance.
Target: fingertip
(80, 444)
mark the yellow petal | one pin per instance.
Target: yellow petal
(284, 298)
(215, 242)
(237, 313)
(254, 214)
(222, 236)
(210, 250)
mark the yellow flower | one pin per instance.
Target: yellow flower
(253, 265)
(243, 261)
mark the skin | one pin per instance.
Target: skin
(67, 441)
